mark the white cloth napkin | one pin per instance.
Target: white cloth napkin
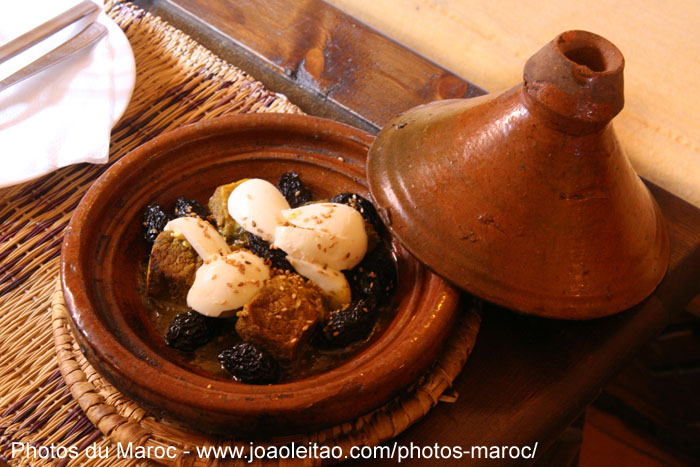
(64, 114)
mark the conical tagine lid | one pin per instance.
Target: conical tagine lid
(525, 198)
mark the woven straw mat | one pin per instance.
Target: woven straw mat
(177, 82)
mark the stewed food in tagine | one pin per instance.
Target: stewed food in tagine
(266, 284)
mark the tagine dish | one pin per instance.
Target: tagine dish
(233, 276)
(267, 281)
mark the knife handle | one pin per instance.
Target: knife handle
(41, 32)
(85, 38)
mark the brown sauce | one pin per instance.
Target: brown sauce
(312, 360)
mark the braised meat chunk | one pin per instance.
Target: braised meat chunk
(218, 206)
(171, 267)
(282, 316)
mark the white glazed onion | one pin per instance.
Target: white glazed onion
(225, 283)
(320, 239)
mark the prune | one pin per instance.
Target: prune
(188, 207)
(351, 323)
(154, 220)
(190, 330)
(250, 364)
(374, 276)
(364, 206)
(291, 186)
(277, 257)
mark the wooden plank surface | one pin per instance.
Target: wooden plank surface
(528, 378)
(609, 441)
(333, 57)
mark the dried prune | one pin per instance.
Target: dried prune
(374, 276)
(154, 220)
(277, 257)
(351, 323)
(291, 186)
(364, 206)
(188, 207)
(250, 364)
(189, 331)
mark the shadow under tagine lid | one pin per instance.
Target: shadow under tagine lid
(525, 198)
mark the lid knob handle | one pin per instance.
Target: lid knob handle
(576, 81)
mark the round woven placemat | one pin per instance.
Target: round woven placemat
(122, 420)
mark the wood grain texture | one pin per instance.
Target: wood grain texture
(339, 58)
(659, 389)
(694, 306)
(488, 43)
(609, 441)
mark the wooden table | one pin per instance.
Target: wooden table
(528, 378)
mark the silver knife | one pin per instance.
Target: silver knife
(52, 26)
(83, 39)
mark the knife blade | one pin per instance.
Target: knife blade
(83, 39)
(52, 26)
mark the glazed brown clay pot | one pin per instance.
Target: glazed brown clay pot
(526, 198)
(103, 255)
